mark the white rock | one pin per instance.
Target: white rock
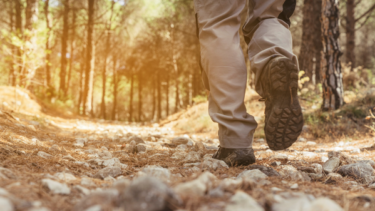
(260, 140)
(330, 165)
(108, 171)
(276, 189)
(192, 157)
(6, 204)
(280, 157)
(44, 155)
(241, 201)
(197, 187)
(83, 190)
(94, 208)
(318, 168)
(56, 187)
(294, 186)
(230, 185)
(158, 172)
(254, 174)
(65, 176)
(311, 143)
(213, 164)
(39, 209)
(182, 147)
(355, 151)
(301, 139)
(179, 155)
(301, 203)
(324, 159)
(324, 204)
(335, 176)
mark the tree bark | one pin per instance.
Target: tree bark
(332, 76)
(12, 75)
(64, 48)
(131, 97)
(167, 95)
(72, 48)
(350, 33)
(115, 88)
(106, 53)
(311, 47)
(19, 31)
(140, 96)
(89, 59)
(158, 84)
(31, 20)
(48, 47)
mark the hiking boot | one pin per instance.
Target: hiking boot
(284, 120)
(235, 157)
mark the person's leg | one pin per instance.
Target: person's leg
(224, 70)
(276, 68)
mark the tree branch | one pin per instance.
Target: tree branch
(367, 12)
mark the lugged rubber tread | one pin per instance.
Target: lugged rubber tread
(284, 120)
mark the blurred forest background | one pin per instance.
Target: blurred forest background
(138, 60)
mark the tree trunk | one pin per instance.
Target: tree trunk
(158, 84)
(311, 46)
(153, 98)
(177, 100)
(89, 59)
(167, 94)
(48, 47)
(115, 87)
(131, 97)
(12, 75)
(106, 53)
(72, 45)
(18, 6)
(139, 95)
(350, 33)
(64, 48)
(31, 20)
(332, 76)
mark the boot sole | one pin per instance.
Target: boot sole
(285, 121)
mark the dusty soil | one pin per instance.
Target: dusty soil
(23, 136)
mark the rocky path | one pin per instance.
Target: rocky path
(54, 164)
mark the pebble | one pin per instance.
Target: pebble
(241, 201)
(148, 194)
(87, 182)
(141, 148)
(360, 171)
(294, 186)
(280, 157)
(108, 171)
(355, 151)
(230, 185)
(260, 140)
(182, 140)
(192, 157)
(157, 172)
(56, 187)
(81, 189)
(330, 165)
(254, 174)
(197, 187)
(213, 164)
(324, 204)
(311, 143)
(65, 176)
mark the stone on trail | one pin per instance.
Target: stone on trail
(103, 197)
(182, 147)
(330, 165)
(360, 171)
(241, 201)
(81, 189)
(230, 185)
(266, 170)
(182, 140)
(65, 176)
(108, 171)
(334, 176)
(213, 164)
(94, 208)
(44, 155)
(197, 187)
(192, 157)
(292, 203)
(324, 204)
(157, 172)
(6, 204)
(39, 209)
(292, 173)
(280, 157)
(137, 140)
(141, 148)
(55, 187)
(148, 194)
(254, 174)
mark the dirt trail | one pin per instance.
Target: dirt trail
(49, 163)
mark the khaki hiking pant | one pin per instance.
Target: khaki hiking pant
(224, 73)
